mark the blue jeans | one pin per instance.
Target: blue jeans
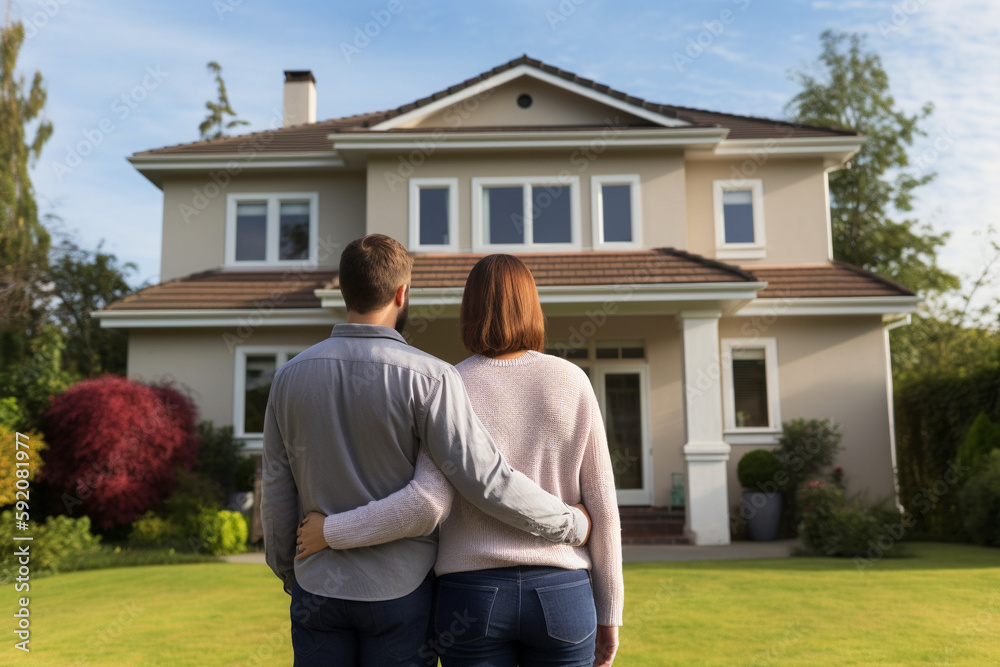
(524, 615)
(393, 633)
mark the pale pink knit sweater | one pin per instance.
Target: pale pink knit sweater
(543, 415)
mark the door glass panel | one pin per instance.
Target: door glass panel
(623, 416)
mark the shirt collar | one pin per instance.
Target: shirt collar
(366, 331)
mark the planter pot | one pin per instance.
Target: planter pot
(763, 514)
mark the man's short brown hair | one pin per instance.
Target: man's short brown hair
(500, 309)
(371, 270)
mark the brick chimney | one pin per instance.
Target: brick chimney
(300, 97)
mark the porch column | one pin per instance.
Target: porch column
(707, 506)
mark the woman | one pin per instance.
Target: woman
(505, 597)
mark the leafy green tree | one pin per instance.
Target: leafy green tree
(83, 281)
(24, 243)
(215, 124)
(869, 196)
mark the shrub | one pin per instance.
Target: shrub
(11, 456)
(114, 446)
(219, 457)
(979, 500)
(153, 530)
(983, 437)
(246, 471)
(60, 544)
(806, 449)
(758, 470)
(194, 492)
(831, 526)
(40, 377)
(222, 532)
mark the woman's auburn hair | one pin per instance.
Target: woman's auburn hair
(500, 308)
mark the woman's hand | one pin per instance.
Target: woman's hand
(607, 645)
(310, 534)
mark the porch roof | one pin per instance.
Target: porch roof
(223, 289)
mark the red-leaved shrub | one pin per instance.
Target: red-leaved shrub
(114, 446)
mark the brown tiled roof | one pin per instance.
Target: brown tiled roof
(231, 289)
(223, 289)
(835, 279)
(313, 137)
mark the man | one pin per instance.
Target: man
(343, 425)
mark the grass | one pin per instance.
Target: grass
(940, 606)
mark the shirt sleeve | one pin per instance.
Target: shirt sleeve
(597, 486)
(279, 504)
(465, 452)
(414, 510)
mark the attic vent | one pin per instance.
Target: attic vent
(524, 101)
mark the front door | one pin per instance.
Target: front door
(622, 392)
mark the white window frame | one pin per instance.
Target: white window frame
(597, 184)
(755, 250)
(478, 243)
(770, 347)
(415, 186)
(281, 353)
(273, 202)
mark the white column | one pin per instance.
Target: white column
(706, 453)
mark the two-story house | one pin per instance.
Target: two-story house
(682, 256)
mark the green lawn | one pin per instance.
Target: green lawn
(941, 606)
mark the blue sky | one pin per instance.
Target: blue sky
(124, 77)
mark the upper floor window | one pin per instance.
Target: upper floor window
(433, 214)
(525, 214)
(739, 219)
(614, 203)
(266, 229)
(750, 384)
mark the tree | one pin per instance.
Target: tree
(24, 243)
(83, 281)
(215, 124)
(115, 447)
(877, 185)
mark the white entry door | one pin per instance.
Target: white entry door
(623, 393)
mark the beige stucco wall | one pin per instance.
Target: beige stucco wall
(203, 360)
(550, 106)
(661, 186)
(795, 207)
(830, 368)
(194, 223)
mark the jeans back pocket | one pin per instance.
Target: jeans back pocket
(462, 612)
(570, 615)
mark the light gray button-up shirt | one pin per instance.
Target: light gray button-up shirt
(343, 424)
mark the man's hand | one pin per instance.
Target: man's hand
(590, 524)
(310, 536)
(607, 645)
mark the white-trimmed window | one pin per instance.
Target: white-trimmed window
(750, 385)
(271, 229)
(433, 214)
(532, 214)
(255, 369)
(615, 206)
(739, 219)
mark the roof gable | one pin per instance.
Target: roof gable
(491, 100)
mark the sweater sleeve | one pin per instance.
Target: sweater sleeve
(597, 486)
(414, 510)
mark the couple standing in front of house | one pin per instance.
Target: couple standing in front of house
(366, 442)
